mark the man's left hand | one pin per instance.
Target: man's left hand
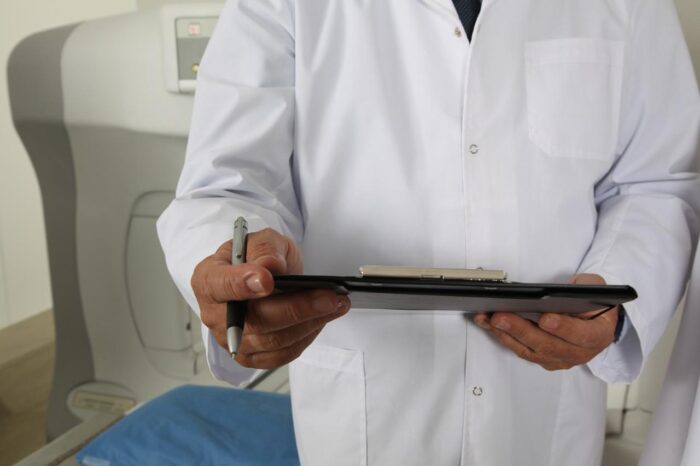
(556, 341)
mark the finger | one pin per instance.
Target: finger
(482, 320)
(587, 279)
(274, 251)
(274, 341)
(531, 336)
(584, 333)
(286, 310)
(275, 359)
(523, 352)
(270, 249)
(222, 283)
(520, 350)
(222, 256)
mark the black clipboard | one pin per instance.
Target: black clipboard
(467, 296)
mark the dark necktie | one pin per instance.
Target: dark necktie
(468, 11)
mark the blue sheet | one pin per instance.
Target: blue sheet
(195, 425)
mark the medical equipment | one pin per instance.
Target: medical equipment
(103, 109)
(196, 425)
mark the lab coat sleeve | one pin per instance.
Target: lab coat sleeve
(239, 151)
(648, 202)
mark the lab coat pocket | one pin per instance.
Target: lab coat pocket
(574, 89)
(329, 406)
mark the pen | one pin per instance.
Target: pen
(236, 310)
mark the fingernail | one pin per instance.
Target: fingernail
(343, 304)
(481, 322)
(324, 304)
(501, 324)
(550, 322)
(254, 284)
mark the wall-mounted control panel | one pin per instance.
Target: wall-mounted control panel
(192, 36)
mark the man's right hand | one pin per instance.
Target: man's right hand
(278, 328)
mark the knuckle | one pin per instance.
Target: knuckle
(207, 318)
(547, 348)
(230, 285)
(235, 286)
(253, 325)
(268, 232)
(273, 341)
(225, 247)
(204, 289)
(198, 278)
(263, 242)
(519, 331)
(291, 308)
(245, 360)
(523, 353)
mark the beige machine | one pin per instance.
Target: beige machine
(103, 109)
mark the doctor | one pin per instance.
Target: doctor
(553, 140)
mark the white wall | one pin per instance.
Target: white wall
(24, 277)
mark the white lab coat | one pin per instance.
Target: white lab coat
(674, 437)
(371, 132)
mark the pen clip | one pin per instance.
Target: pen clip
(240, 236)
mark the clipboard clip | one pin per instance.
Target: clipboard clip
(476, 275)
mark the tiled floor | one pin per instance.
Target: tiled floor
(26, 367)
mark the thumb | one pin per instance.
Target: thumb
(587, 279)
(593, 279)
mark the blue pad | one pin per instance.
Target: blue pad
(203, 426)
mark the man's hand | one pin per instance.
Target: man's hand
(278, 328)
(557, 341)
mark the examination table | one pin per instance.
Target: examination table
(191, 424)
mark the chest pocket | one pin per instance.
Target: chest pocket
(573, 96)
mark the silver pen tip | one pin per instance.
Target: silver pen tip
(233, 338)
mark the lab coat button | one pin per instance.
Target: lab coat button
(477, 391)
(473, 149)
(458, 32)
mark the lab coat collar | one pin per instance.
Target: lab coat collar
(447, 6)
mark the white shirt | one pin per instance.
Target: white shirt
(373, 132)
